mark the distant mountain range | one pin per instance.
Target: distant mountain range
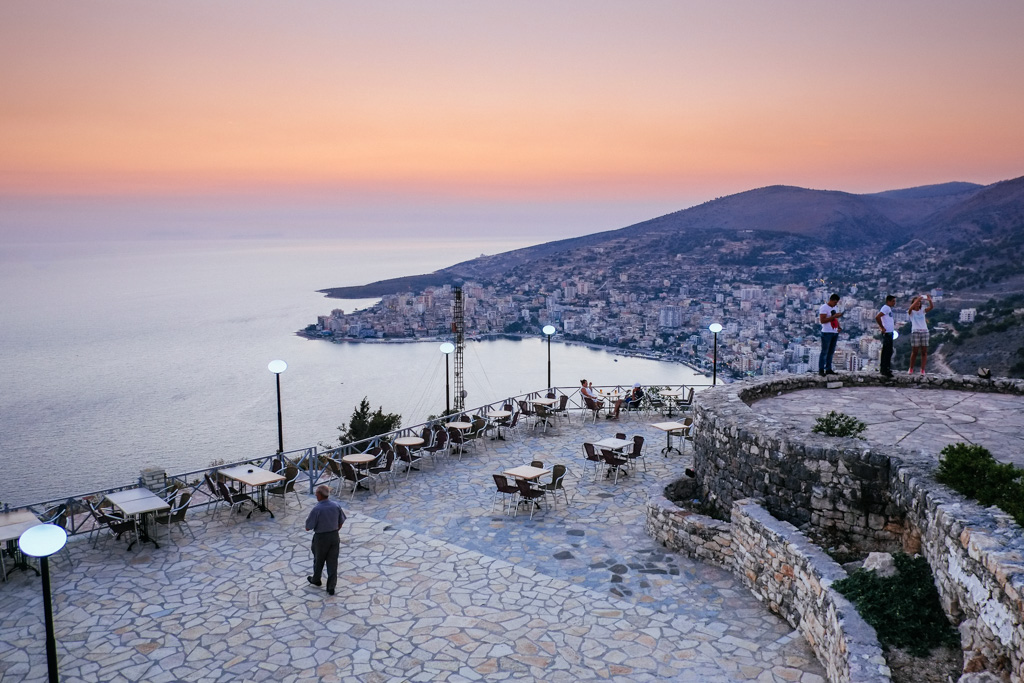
(953, 216)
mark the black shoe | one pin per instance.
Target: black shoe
(887, 373)
(831, 372)
(330, 591)
(821, 372)
(315, 583)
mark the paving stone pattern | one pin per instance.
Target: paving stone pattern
(435, 586)
(918, 418)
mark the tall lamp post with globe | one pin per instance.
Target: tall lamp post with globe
(549, 331)
(715, 329)
(42, 541)
(277, 367)
(447, 348)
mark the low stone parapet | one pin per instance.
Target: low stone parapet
(784, 570)
(794, 578)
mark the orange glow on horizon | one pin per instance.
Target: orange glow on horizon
(483, 102)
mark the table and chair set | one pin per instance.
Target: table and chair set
(522, 485)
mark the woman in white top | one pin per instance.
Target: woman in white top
(919, 331)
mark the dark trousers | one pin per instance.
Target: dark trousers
(828, 349)
(325, 550)
(884, 365)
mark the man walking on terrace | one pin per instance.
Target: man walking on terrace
(325, 520)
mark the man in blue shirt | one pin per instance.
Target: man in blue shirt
(325, 520)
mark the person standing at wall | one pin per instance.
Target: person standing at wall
(885, 323)
(829, 317)
(919, 331)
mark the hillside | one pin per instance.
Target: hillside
(836, 221)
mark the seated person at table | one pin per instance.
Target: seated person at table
(631, 399)
(588, 392)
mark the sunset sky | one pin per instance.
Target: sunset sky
(569, 117)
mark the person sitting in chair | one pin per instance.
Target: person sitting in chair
(633, 398)
(588, 392)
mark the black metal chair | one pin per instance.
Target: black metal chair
(529, 493)
(591, 458)
(176, 515)
(556, 484)
(290, 473)
(637, 452)
(234, 499)
(615, 461)
(505, 489)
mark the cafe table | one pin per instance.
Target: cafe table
(256, 478)
(527, 472)
(361, 461)
(12, 526)
(461, 425)
(544, 401)
(499, 415)
(139, 503)
(672, 395)
(613, 444)
(669, 428)
(409, 441)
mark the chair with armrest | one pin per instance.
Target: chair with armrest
(615, 461)
(557, 483)
(506, 489)
(531, 494)
(234, 499)
(176, 515)
(592, 458)
(290, 474)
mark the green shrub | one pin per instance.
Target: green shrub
(971, 470)
(839, 424)
(904, 609)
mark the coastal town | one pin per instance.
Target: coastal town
(662, 307)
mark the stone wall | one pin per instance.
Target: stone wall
(836, 486)
(876, 498)
(977, 557)
(681, 530)
(783, 570)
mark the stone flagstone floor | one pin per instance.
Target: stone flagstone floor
(917, 418)
(434, 586)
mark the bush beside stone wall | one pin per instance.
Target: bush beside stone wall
(839, 486)
(794, 578)
(977, 557)
(786, 572)
(873, 497)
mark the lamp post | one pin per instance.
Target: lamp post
(549, 331)
(447, 349)
(715, 329)
(42, 541)
(277, 367)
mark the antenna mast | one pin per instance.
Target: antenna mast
(459, 328)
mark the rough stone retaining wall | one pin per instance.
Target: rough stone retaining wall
(876, 498)
(786, 572)
(977, 557)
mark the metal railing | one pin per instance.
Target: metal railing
(312, 461)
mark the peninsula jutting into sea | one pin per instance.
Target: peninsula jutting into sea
(759, 263)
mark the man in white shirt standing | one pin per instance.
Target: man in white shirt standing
(885, 323)
(829, 317)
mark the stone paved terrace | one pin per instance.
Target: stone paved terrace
(434, 587)
(917, 418)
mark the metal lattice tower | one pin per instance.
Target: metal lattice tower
(459, 328)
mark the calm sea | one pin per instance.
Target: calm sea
(121, 356)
